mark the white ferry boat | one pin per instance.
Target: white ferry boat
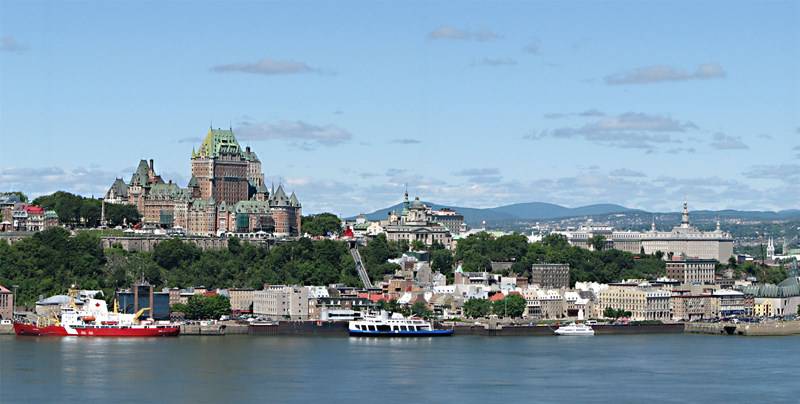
(396, 326)
(574, 329)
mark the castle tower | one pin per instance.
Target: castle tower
(221, 168)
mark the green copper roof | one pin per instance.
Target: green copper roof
(788, 288)
(293, 200)
(218, 141)
(251, 207)
(279, 198)
(140, 175)
(192, 182)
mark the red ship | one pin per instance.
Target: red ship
(94, 320)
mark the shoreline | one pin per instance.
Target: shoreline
(339, 329)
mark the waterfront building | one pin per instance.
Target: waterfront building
(414, 223)
(225, 195)
(6, 303)
(241, 299)
(336, 307)
(643, 301)
(281, 302)
(692, 270)
(544, 304)
(775, 300)
(692, 302)
(731, 303)
(143, 296)
(550, 276)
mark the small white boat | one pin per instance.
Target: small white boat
(574, 329)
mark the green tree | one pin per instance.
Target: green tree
(202, 307)
(442, 261)
(477, 308)
(321, 224)
(598, 242)
(418, 245)
(420, 309)
(121, 214)
(512, 306)
(611, 312)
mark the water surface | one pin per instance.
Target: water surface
(610, 369)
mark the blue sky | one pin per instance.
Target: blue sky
(478, 104)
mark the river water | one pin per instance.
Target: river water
(233, 369)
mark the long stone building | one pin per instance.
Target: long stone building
(226, 194)
(683, 240)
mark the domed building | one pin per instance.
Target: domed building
(414, 223)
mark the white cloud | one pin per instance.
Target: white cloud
(630, 130)
(663, 73)
(405, 141)
(36, 181)
(266, 67)
(10, 44)
(626, 172)
(533, 47)
(452, 33)
(494, 62)
(190, 139)
(726, 142)
(297, 133)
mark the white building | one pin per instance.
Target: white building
(281, 302)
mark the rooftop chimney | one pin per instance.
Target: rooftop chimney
(151, 164)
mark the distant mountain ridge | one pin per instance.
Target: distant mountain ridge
(533, 211)
(517, 211)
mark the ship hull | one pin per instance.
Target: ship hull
(61, 331)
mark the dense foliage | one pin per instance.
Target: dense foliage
(512, 305)
(764, 273)
(611, 312)
(204, 307)
(322, 224)
(604, 265)
(375, 254)
(50, 261)
(75, 210)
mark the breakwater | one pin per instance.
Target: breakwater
(766, 328)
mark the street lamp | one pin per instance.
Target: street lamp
(14, 301)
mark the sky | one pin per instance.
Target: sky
(477, 104)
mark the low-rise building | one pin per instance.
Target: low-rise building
(550, 276)
(692, 270)
(142, 296)
(731, 303)
(241, 299)
(281, 302)
(643, 301)
(6, 304)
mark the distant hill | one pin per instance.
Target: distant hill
(541, 211)
(515, 212)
